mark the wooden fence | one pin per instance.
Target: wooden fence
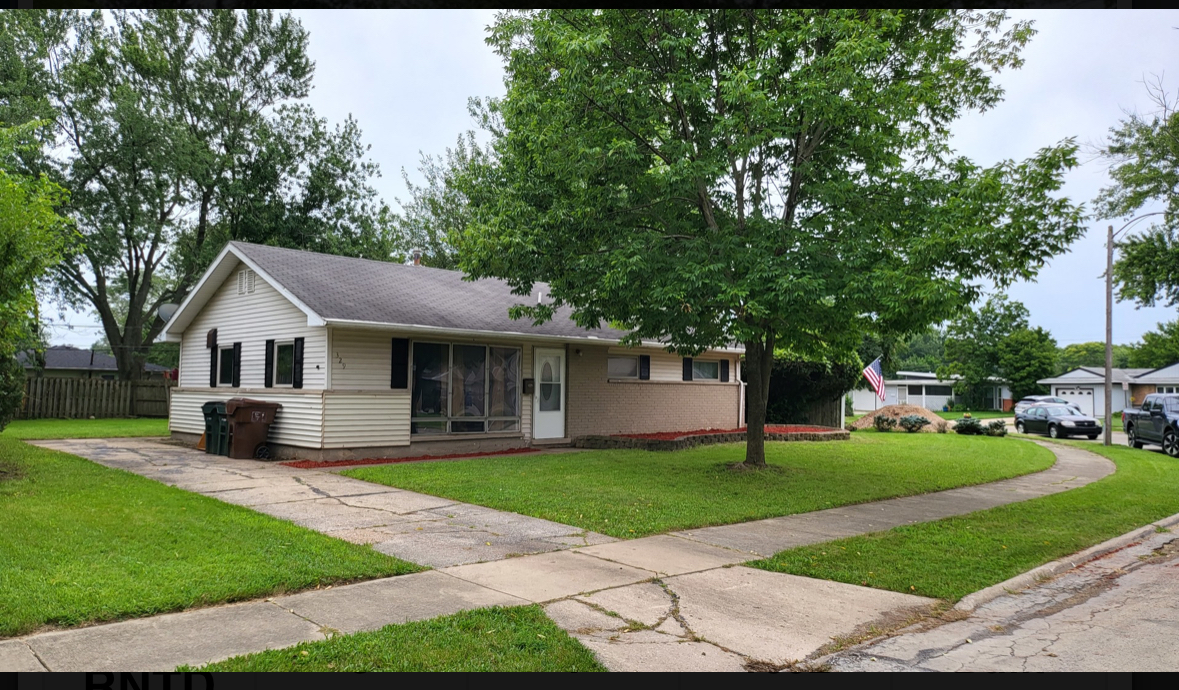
(70, 398)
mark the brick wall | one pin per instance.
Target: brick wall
(1139, 391)
(599, 406)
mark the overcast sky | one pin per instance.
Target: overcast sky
(406, 75)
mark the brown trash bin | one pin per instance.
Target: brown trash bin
(249, 427)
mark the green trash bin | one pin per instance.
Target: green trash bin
(216, 428)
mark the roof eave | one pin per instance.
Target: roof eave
(464, 332)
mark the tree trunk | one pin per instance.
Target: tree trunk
(759, 360)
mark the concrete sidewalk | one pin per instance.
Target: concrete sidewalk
(667, 602)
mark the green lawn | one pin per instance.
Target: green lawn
(85, 428)
(83, 543)
(494, 639)
(951, 558)
(632, 493)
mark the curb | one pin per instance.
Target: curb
(970, 602)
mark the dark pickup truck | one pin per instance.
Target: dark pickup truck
(1157, 421)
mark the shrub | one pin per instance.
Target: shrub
(883, 423)
(942, 426)
(997, 428)
(968, 426)
(913, 423)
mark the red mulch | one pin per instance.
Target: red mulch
(321, 464)
(777, 429)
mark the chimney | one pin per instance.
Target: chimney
(417, 257)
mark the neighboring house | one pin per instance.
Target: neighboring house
(1085, 387)
(64, 361)
(1161, 380)
(925, 389)
(378, 359)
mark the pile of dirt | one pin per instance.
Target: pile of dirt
(896, 412)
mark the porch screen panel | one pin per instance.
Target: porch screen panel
(431, 368)
(503, 393)
(468, 381)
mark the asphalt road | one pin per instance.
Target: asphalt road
(1119, 612)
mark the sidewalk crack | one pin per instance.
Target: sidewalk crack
(36, 656)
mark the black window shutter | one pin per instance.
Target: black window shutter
(237, 365)
(211, 343)
(644, 367)
(687, 368)
(724, 371)
(268, 378)
(399, 378)
(298, 373)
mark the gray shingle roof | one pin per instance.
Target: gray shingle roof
(344, 288)
(66, 357)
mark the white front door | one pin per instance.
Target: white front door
(902, 395)
(548, 407)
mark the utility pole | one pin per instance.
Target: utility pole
(1109, 249)
(1109, 252)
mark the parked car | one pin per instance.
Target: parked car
(1043, 400)
(1058, 421)
(1157, 421)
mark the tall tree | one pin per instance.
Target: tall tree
(973, 345)
(176, 130)
(1143, 153)
(1026, 356)
(436, 210)
(1158, 348)
(1091, 354)
(925, 351)
(30, 241)
(780, 179)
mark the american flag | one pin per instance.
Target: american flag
(875, 376)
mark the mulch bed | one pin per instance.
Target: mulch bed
(680, 440)
(322, 464)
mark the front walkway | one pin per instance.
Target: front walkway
(428, 530)
(667, 602)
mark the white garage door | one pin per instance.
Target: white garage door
(1081, 397)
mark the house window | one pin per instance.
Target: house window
(622, 367)
(464, 388)
(915, 390)
(939, 390)
(225, 367)
(708, 371)
(284, 364)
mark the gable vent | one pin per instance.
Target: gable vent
(245, 282)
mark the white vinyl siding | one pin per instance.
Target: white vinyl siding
(252, 319)
(298, 423)
(366, 419)
(361, 360)
(526, 400)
